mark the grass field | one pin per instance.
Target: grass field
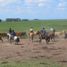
(31, 63)
(36, 24)
(59, 25)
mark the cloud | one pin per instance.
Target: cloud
(6, 2)
(42, 3)
(22, 6)
(13, 6)
(37, 3)
(28, 1)
(6, 6)
(62, 5)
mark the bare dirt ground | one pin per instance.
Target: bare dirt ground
(33, 50)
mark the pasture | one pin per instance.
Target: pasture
(59, 25)
(34, 54)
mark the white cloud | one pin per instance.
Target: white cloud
(40, 1)
(6, 2)
(6, 7)
(29, 5)
(41, 4)
(28, 1)
(62, 6)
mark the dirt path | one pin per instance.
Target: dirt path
(34, 50)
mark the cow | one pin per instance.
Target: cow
(12, 38)
(33, 34)
(1, 39)
(3, 34)
(47, 36)
(21, 34)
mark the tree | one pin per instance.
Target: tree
(13, 19)
(0, 20)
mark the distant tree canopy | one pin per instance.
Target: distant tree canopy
(16, 19)
(24, 19)
(36, 19)
(13, 19)
(0, 20)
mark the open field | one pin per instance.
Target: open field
(34, 54)
(37, 25)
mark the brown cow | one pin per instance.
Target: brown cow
(1, 39)
(3, 34)
(20, 34)
(33, 34)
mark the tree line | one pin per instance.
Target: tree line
(15, 20)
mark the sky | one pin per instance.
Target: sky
(33, 9)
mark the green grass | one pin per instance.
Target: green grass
(32, 63)
(37, 25)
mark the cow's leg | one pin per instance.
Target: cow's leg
(40, 38)
(1, 39)
(17, 41)
(53, 38)
(32, 37)
(11, 39)
(47, 39)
